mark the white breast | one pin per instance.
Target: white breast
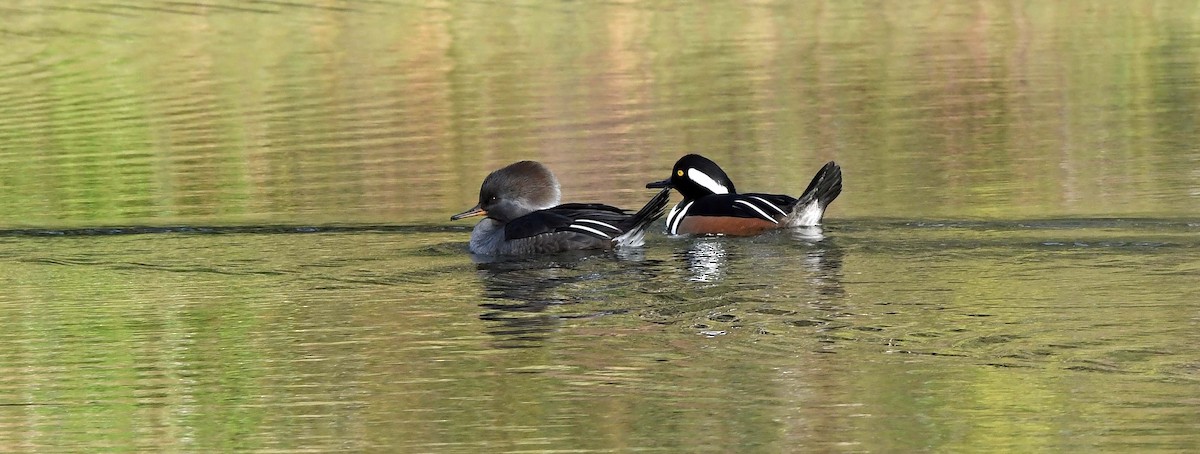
(675, 217)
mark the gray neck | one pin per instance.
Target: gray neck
(488, 237)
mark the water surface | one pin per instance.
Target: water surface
(223, 227)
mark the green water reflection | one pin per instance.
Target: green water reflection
(887, 337)
(361, 112)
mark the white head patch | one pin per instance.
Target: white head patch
(706, 181)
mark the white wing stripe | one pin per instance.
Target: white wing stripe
(600, 223)
(772, 205)
(760, 211)
(589, 229)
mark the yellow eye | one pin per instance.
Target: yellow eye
(679, 172)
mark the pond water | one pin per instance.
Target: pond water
(223, 226)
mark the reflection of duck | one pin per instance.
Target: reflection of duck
(706, 259)
(710, 204)
(809, 234)
(713, 259)
(526, 299)
(824, 266)
(523, 217)
(518, 294)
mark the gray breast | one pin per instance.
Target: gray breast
(487, 237)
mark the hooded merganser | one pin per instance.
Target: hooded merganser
(524, 216)
(711, 205)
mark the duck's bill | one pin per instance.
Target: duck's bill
(659, 184)
(475, 211)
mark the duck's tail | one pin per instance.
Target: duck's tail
(825, 187)
(635, 226)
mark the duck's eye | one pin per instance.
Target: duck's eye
(679, 172)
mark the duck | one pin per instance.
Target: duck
(523, 216)
(712, 206)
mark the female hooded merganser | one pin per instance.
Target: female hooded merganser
(711, 205)
(524, 217)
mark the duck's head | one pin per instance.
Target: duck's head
(696, 176)
(514, 191)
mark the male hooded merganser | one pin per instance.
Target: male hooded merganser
(711, 205)
(524, 217)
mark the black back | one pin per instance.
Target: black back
(562, 217)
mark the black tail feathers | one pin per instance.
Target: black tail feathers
(826, 185)
(636, 225)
